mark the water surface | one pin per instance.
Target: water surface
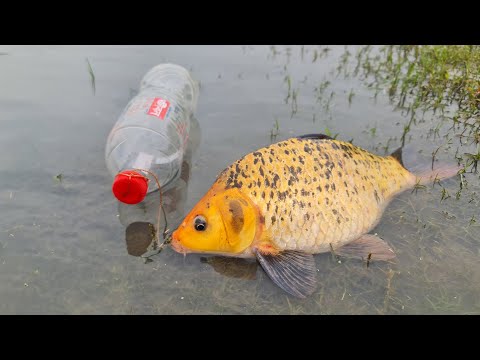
(62, 244)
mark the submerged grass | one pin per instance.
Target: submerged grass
(92, 75)
(440, 84)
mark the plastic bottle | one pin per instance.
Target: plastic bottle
(152, 134)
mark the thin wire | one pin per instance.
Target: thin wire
(166, 237)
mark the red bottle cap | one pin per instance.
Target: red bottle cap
(130, 187)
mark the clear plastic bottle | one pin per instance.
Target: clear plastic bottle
(152, 133)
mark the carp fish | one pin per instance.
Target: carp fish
(302, 196)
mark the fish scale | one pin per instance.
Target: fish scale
(313, 193)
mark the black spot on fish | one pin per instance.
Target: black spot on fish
(307, 149)
(271, 194)
(267, 183)
(281, 195)
(257, 153)
(306, 217)
(255, 161)
(286, 152)
(300, 158)
(261, 172)
(327, 186)
(335, 212)
(328, 173)
(273, 218)
(263, 194)
(259, 183)
(319, 188)
(339, 173)
(276, 178)
(377, 198)
(338, 220)
(292, 180)
(334, 145)
(333, 186)
(270, 159)
(345, 183)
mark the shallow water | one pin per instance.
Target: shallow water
(62, 244)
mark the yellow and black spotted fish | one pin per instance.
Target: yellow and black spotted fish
(298, 197)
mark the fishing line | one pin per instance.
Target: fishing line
(161, 210)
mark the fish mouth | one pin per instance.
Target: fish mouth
(178, 247)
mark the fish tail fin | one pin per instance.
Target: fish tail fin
(425, 172)
(426, 175)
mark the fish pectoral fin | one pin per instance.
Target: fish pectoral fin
(293, 271)
(367, 247)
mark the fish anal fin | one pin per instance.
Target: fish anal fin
(367, 247)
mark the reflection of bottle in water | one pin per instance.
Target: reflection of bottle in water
(152, 133)
(141, 219)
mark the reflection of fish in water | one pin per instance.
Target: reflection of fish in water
(299, 197)
(233, 267)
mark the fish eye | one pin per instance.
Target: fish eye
(200, 223)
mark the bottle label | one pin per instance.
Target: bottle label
(159, 108)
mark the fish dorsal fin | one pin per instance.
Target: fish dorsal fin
(293, 271)
(397, 155)
(315, 137)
